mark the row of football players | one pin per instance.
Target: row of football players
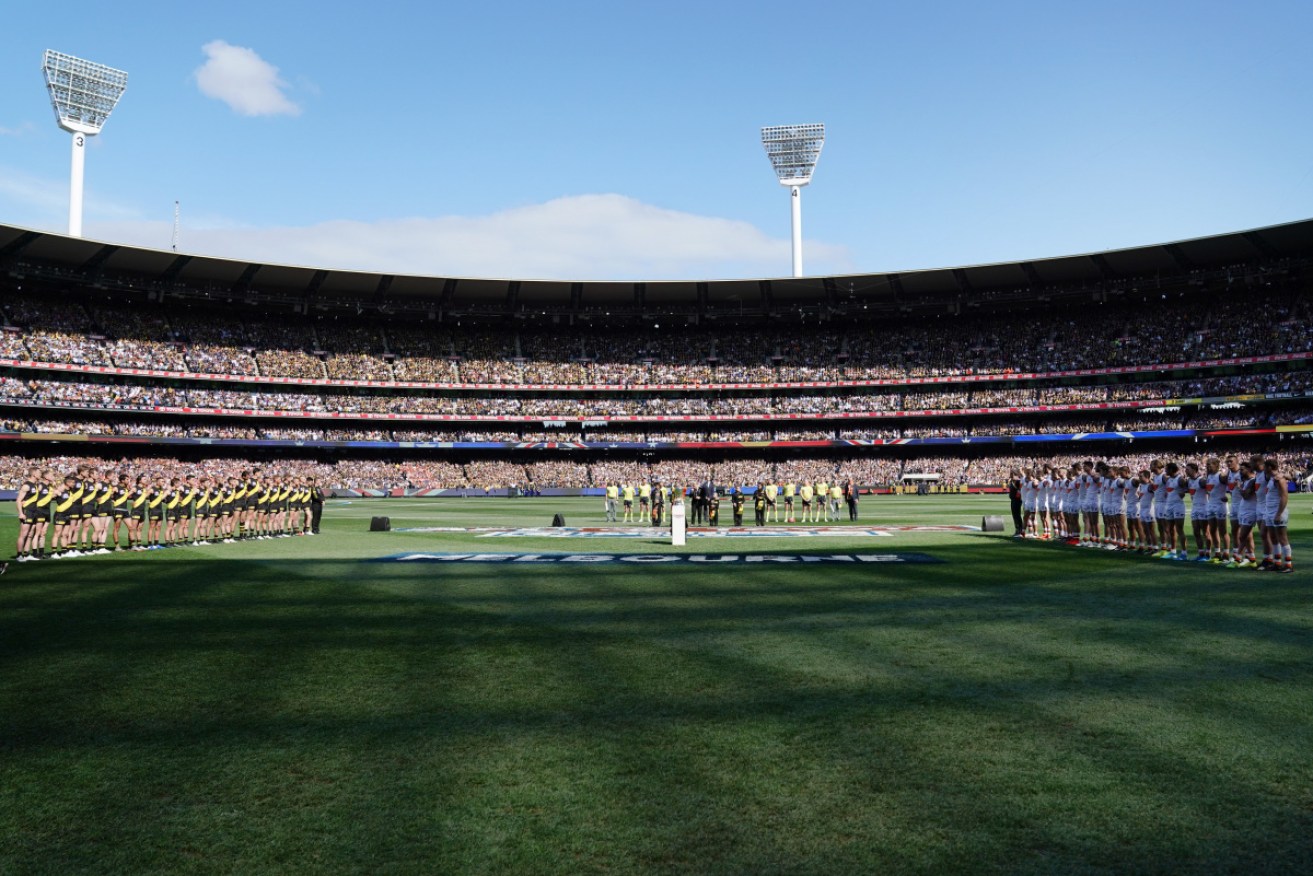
(1101, 505)
(89, 512)
(653, 499)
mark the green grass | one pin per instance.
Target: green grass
(286, 706)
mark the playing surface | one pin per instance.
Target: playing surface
(310, 705)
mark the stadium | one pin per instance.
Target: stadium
(394, 385)
(482, 668)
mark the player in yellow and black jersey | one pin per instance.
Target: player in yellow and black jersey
(228, 511)
(276, 504)
(172, 497)
(137, 526)
(221, 504)
(44, 513)
(264, 504)
(102, 503)
(202, 505)
(78, 488)
(239, 518)
(186, 512)
(66, 518)
(251, 515)
(85, 537)
(307, 486)
(157, 496)
(285, 493)
(28, 493)
(288, 502)
(120, 507)
(250, 520)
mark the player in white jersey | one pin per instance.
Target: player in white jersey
(1232, 474)
(1159, 491)
(1055, 503)
(1245, 500)
(1172, 511)
(1148, 532)
(1100, 484)
(1215, 487)
(1112, 509)
(1070, 514)
(1095, 504)
(1078, 505)
(1072, 503)
(1097, 489)
(1029, 500)
(1139, 492)
(1117, 507)
(1260, 508)
(1198, 511)
(1085, 499)
(1277, 517)
(1128, 507)
(1043, 506)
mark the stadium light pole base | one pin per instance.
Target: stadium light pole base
(75, 184)
(795, 198)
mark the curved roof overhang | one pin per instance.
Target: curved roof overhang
(108, 265)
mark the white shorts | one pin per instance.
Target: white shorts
(1217, 513)
(1280, 521)
(1248, 518)
(1090, 508)
(1173, 512)
(1028, 507)
(1146, 517)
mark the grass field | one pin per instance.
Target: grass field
(299, 706)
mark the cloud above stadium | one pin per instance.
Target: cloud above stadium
(582, 237)
(247, 83)
(25, 195)
(18, 130)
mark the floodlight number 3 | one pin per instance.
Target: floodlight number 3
(80, 140)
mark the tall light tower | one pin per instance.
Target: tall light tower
(83, 94)
(793, 151)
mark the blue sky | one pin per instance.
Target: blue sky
(603, 140)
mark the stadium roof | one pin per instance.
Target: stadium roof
(25, 252)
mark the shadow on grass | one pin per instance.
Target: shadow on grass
(281, 715)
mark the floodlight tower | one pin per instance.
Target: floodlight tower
(83, 95)
(793, 151)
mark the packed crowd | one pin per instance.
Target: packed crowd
(1242, 418)
(181, 339)
(125, 393)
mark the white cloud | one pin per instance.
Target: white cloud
(18, 130)
(41, 203)
(242, 79)
(584, 237)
